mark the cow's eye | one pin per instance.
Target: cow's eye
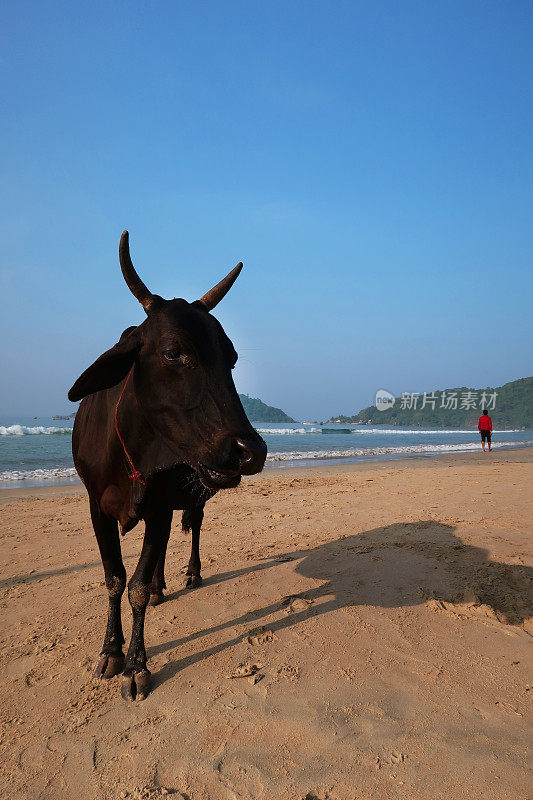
(172, 355)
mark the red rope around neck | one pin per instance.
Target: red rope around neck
(135, 475)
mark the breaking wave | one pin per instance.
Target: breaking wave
(384, 431)
(25, 430)
(281, 431)
(37, 474)
(299, 455)
(426, 432)
(52, 430)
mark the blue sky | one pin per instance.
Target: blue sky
(370, 163)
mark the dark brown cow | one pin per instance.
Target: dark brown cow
(161, 427)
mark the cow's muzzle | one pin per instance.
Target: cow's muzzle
(218, 479)
(251, 454)
(246, 457)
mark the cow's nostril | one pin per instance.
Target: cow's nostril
(251, 455)
(245, 454)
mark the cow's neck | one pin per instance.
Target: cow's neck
(146, 450)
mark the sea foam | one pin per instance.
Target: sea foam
(286, 431)
(424, 431)
(25, 430)
(37, 474)
(300, 455)
(381, 431)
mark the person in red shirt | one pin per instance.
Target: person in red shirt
(485, 428)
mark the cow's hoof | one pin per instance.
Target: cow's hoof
(136, 685)
(156, 598)
(108, 666)
(193, 581)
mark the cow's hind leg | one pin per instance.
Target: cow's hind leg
(192, 520)
(111, 661)
(136, 681)
(158, 581)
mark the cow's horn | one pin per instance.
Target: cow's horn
(135, 284)
(215, 295)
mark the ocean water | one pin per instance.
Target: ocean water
(37, 451)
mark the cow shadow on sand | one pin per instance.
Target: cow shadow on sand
(400, 565)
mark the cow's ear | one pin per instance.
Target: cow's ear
(109, 369)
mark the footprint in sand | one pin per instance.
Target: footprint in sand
(295, 603)
(261, 635)
(245, 670)
(392, 760)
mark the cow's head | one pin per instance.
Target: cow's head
(182, 380)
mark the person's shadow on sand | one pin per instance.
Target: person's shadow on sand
(405, 564)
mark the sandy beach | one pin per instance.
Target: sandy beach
(385, 610)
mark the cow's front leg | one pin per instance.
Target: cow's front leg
(136, 681)
(192, 520)
(158, 581)
(111, 661)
